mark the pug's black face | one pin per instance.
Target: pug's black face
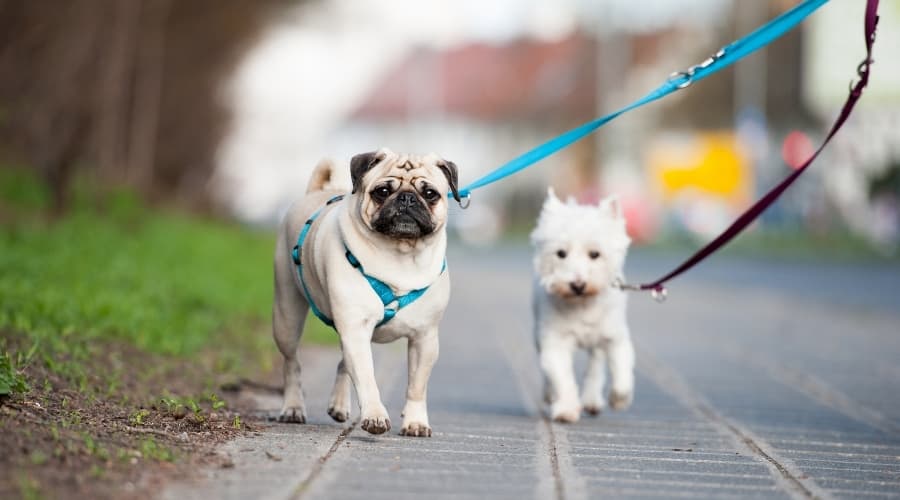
(403, 214)
(403, 196)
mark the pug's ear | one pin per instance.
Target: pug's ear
(360, 164)
(452, 174)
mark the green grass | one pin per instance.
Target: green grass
(114, 270)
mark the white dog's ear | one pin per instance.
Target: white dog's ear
(613, 206)
(552, 200)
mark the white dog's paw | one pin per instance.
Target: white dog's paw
(593, 409)
(620, 400)
(339, 414)
(566, 414)
(416, 430)
(292, 415)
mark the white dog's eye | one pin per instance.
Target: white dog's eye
(593, 254)
(561, 254)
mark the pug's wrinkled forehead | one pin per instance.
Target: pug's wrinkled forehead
(403, 169)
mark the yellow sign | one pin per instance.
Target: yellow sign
(711, 164)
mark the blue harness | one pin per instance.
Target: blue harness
(392, 303)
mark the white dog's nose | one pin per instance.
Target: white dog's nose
(577, 287)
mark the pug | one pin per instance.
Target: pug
(372, 263)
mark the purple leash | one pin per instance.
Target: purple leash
(657, 287)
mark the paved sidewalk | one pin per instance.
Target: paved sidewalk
(744, 389)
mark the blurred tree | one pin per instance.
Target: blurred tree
(130, 87)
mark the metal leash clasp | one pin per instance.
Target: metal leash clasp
(465, 200)
(659, 292)
(861, 71)
(686, 78)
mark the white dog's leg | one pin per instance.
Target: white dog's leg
(422, 353)
(339, 406)
(357, 348)
(556, 361)
(594, 379)
(621, 368)
(289, 311)
(549, 393)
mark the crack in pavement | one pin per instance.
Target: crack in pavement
(794, 482)
(554, 462)
(530, 397)
(816, 389)
(387, 370)
(314, 471)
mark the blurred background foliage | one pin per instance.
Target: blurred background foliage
(128, 90)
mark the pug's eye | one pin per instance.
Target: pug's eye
(561, 254)
(593, 254)
(380, 193)
(431, 195)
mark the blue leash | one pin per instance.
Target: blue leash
(676, 81)
(391, 302)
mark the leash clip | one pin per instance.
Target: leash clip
(465, 200)
(687, 77)
(659, 294)
(861, 71)
(621, 285)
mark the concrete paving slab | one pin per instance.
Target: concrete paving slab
(746, 388)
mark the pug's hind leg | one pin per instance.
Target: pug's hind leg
(339, 406)
(288, 315)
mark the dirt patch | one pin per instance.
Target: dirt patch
(119, 428)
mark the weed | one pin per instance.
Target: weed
(137, 418)
(237, 422)
(90, 445)
(38, 457)
(217, 403)
(29, 489)
(155, 451)
(97, 471)
(12, 380)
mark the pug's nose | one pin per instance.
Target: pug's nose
(578, 287)
(406, 200)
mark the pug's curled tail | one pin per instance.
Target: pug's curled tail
(321, 176)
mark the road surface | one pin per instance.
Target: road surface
(755, 379)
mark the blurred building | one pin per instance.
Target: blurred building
(482, 83)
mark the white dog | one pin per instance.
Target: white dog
(372, 263)
(579, 255)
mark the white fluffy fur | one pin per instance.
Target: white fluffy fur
(579, 252)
